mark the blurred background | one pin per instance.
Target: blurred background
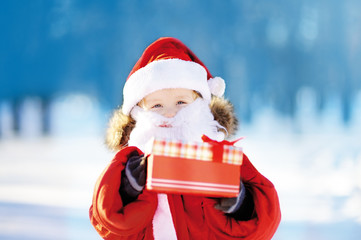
(291, 69)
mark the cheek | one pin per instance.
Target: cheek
(156, 110)
(163, 111)
(179, 107)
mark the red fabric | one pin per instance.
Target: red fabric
(167, 48)
(194, 217)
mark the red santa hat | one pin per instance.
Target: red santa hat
(168, 63)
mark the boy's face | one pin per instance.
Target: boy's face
(158, 115)
(167, 102)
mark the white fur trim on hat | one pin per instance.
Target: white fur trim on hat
(162, 74)
(217, 86)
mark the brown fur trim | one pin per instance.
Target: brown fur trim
(224, 114)
(120, 125)
(119, 129)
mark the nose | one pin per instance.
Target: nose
(170, 112)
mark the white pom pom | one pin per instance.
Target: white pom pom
(217, 86)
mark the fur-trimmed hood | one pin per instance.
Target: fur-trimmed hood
(121, 125)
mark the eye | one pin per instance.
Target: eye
(181, 102)
(157, 106)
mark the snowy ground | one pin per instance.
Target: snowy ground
(46, 187)
(46, 183)
(315, 165)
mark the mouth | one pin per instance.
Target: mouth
(165, 125)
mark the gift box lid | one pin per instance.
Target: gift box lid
(209, 150)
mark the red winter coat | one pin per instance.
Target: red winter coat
(193, 217)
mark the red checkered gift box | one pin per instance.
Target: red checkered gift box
(209, 169)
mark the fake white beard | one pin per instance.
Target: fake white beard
(190, 123)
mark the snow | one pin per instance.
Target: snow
(316, 168)
(46, 183)
(46, 186)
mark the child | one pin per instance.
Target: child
(171, 94)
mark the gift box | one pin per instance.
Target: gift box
(209, 169)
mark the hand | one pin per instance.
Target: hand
(133, 177)
(225, 204)
(135, 171)
(232, 205)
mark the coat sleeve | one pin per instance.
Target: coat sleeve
(266, 213)
(107, 214)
